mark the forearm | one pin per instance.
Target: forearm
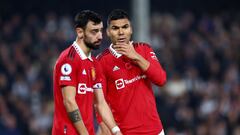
(75, 117)
(80, 127)
(156, 74)
(153, 70)
(103, 129)
(106, 114)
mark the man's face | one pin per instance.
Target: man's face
(93, 35)
(119, 31)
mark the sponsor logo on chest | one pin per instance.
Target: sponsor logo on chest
(122, 83)
(83, 89)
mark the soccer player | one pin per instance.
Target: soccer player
(77, 82)
(129, 69)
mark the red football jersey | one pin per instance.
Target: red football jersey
(128, 90)
(74, 68)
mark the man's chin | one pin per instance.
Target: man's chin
(97, 44)
(96, 47)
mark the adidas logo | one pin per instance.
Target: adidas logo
(84, 72)
(116, 68)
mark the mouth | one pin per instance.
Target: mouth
(97, 42)
(121, 40)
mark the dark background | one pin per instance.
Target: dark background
(104, 6)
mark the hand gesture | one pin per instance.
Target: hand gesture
(126, 49)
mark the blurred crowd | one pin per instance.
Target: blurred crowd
(199, 52)
(201, 56)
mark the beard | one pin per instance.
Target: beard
(93, 45)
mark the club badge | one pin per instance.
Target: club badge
(93, 73)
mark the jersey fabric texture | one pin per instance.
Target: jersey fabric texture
(74, 68)
(128, 90)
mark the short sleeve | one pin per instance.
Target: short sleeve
(67, 73)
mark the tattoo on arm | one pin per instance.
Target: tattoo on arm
(75, 116)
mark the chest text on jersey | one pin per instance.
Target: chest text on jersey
(121, 83)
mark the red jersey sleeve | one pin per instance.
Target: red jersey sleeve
(155, 72)
(67, 73)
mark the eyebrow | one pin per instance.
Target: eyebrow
(114, 26)
(97, 30)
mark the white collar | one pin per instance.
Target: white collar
(80, 52)
(114, 52)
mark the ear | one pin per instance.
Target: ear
(131, 29)
(107, 31)
(79, 32)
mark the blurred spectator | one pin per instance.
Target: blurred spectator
(10, 125)
(202, 61)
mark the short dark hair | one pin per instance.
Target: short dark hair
(82, 18)
(117, 14)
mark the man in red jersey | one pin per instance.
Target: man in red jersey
(78, 84)
(129, 69)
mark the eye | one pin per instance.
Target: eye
(95, 31)
(125, 26)
(115, 27)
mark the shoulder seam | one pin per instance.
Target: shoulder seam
(141, 44)
(71, 53)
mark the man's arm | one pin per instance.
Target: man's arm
(129, 51)
(105, 112)
(149, 65)
(69, 93)
(103, 129)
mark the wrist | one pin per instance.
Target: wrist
(115, 130)
(136, 58)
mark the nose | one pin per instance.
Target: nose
(120, 32)
(100, 35)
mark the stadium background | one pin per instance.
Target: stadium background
(197, 42)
